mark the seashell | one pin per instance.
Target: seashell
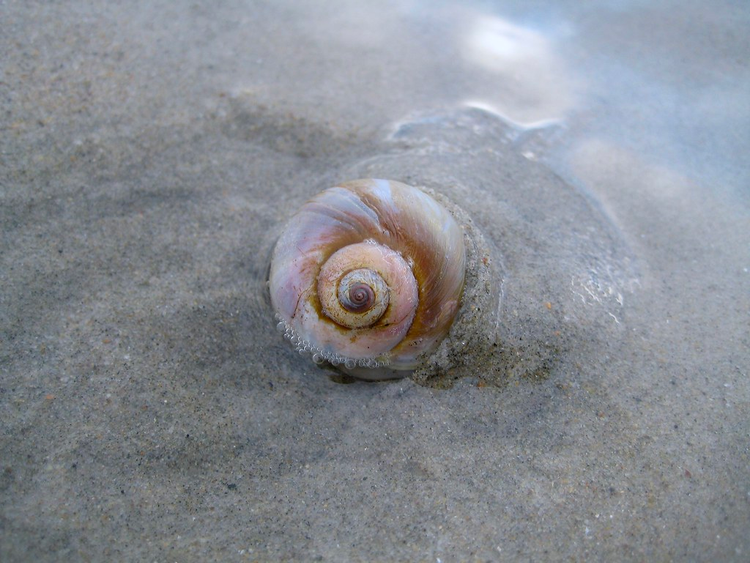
(368, 276)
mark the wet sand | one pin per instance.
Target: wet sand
(150, 411)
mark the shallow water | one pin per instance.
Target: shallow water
(151, 153)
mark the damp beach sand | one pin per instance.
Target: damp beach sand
(150, 154)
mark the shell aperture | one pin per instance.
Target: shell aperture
(368, 275)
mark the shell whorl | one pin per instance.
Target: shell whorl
(373, 271)
(368, 274)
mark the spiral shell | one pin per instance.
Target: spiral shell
(368, 275)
